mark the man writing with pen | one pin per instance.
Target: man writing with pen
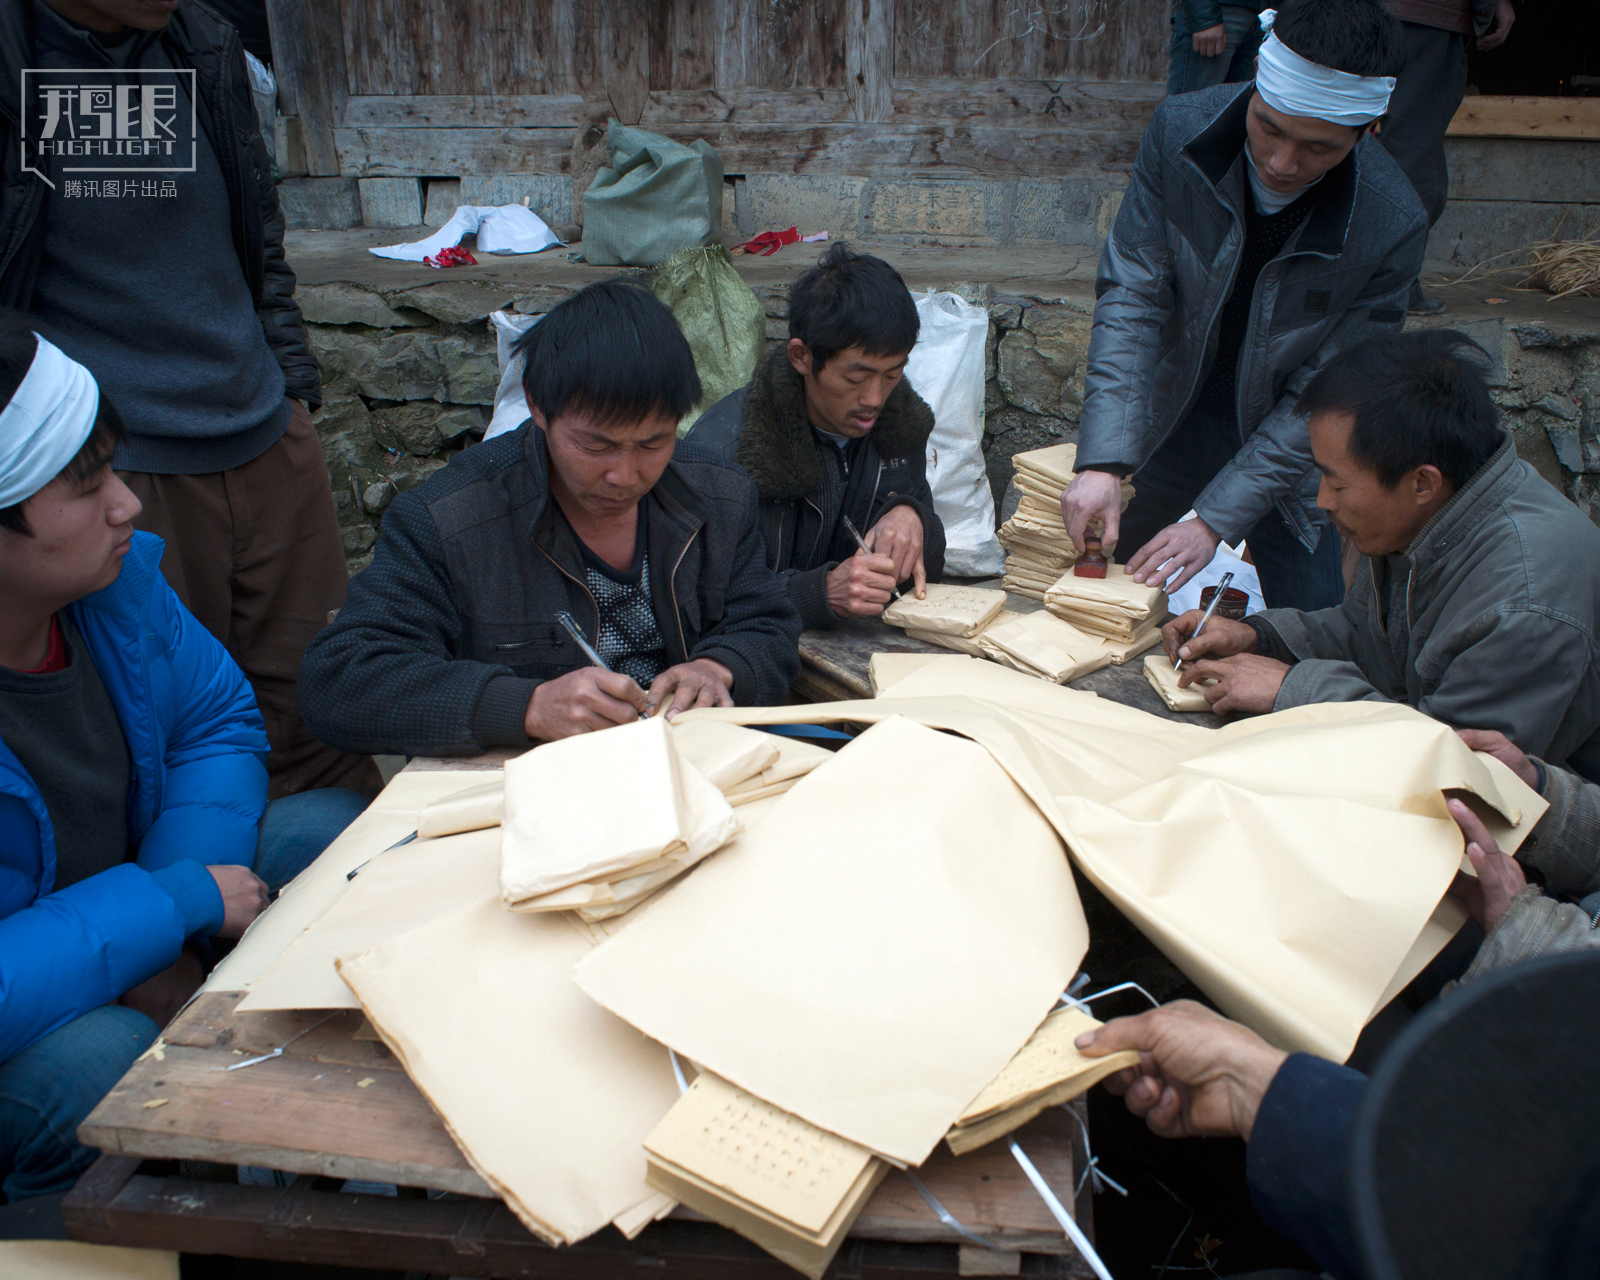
(451, 643)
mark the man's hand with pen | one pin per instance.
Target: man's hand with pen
(1225, 652)
(888, 554)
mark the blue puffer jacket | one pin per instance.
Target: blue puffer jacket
(197, 791)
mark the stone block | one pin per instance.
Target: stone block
(455, 301)
(547, 194)
(1089, 203)
(935, 209)
(406, 364)
(391, 202)
(1567, 444)
(779, 200)
(1471, 231)
(1041, 365)
(1037, 216)
(542, 298)
(342, 303)
(344, 426)
(422, 428)
(320, 204)
(443, 195)
(1522, 169)
(1013, 431)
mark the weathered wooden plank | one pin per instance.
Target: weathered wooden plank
(957, 149)
(1056, 39)
(683, 44)
(308, 57)
(465, 111)
(1495, 117)
(870, 60)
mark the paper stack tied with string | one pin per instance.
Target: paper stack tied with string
(567, 844)
(1158, 670)
(1046, 1072)
(1114, 606)
(785, 1184)
(1038, 550)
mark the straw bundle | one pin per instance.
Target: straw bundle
(1565, 267)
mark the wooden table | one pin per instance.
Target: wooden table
(336, 1104)
(833, 666)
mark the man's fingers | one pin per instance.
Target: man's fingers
(1471, 825)
(1120, 1033)
(1111, 518)
(919, 577)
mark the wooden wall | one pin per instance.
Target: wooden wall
(862, 87)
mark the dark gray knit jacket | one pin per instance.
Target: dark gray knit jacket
(806, 484)
(443, 638)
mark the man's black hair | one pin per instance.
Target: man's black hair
(1416, 398)
(611, 351)
(852, 299)
(1357, 36)
(17, 348)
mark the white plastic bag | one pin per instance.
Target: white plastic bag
(510, 405)
(1227, 560)
(946, 370)
(264, 93)
(506, 228)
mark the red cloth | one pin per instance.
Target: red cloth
(769, 242)
(455, 256)
(55, 658)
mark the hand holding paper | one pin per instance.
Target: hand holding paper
(1246, 684)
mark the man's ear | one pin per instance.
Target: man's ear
(533, 412)
(799, 357)
(1427, 484)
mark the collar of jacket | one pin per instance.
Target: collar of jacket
(1468, 507)
(1219, 147)
(779, 449)
(676, 516)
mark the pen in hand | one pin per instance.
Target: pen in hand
(1216, 599)
(862, 543)
(571, 624)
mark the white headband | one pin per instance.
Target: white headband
(1297, 86)
(45, 424)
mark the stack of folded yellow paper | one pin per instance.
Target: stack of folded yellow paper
(1046, 1071)
(786, 1185)
(596, 822)
(1041, 644)
(793, 760)
(1114, 606)
(951, 616)
(1163, 679)
(1038, 550)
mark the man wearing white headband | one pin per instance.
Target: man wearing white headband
(134, 823)
(1261, 233)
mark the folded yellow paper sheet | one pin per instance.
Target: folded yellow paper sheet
(938, 922)
(1045, 646)
(1163, 679)
(948, 609)
(548, 1096)
(470, 810)
(727, 758)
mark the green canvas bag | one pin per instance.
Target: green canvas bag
(723, 321)
(655, 197)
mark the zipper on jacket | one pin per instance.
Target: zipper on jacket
(818, 538)
(672, 586)
(583, 585)
(1227, 292)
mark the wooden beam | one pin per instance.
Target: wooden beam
(465, 111)
(1486, 116)
(308, 59)
(869, 59)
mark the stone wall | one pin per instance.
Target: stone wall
(409, 378)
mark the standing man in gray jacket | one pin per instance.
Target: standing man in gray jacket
(1262, 232)
(1478, 601)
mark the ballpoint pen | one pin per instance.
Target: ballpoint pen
(862, 543)
(589, 651)
(1216, 599)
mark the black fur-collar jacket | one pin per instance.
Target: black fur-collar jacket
(806, 483)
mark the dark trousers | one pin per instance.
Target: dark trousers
(1166, 486)
(256, 555)
(1429, 88)
(1188, 70)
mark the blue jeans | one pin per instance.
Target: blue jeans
(1188, 70)
(1166, 486)
(48, 1089)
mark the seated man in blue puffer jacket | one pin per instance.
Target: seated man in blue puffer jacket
(133, 797)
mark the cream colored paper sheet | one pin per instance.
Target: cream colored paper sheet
(937, 917)
(398, 891)
(548, 1096)
(956, 644)
(726, 759)
(564, 827)
(69, 1260)
(1115, 605)
(1163, 679)
(948, 609)
(884, 670)
(1289, 864)
(388, 818)
(471, 810)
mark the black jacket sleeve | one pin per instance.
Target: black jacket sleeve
(758, 637)
(389, 675)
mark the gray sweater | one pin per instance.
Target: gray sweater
(147, 291)
(1565, 847)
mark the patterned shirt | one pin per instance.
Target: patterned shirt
(630, 637)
